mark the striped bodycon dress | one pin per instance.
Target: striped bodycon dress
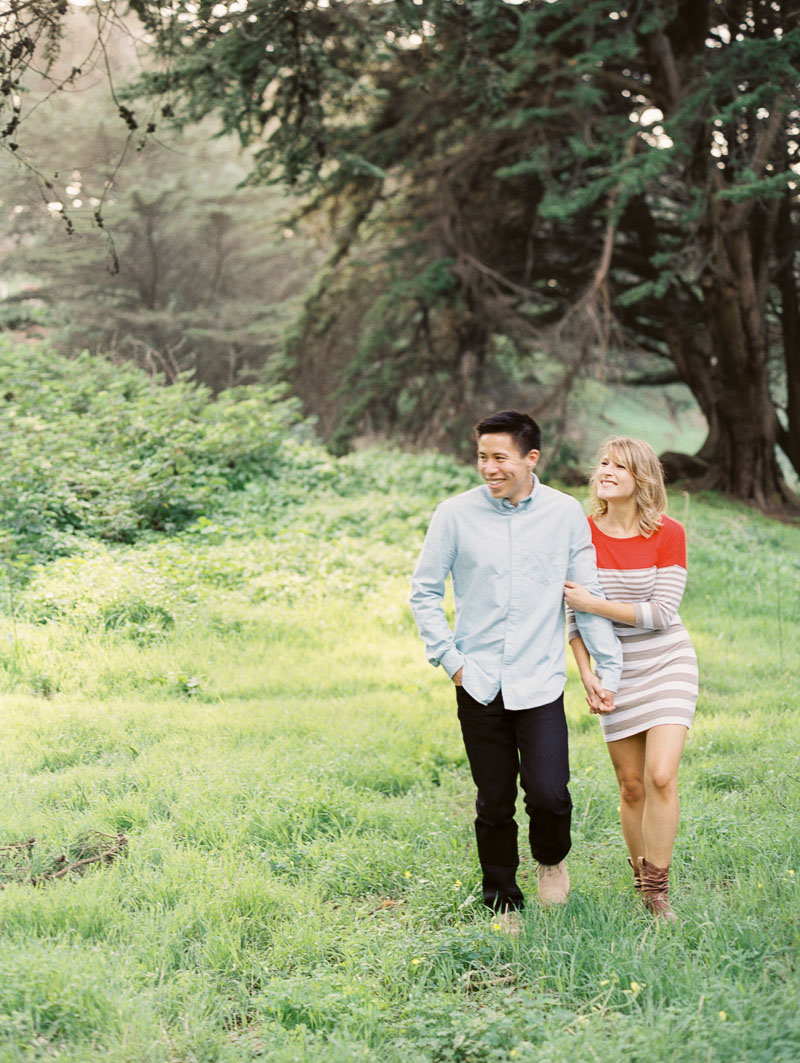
(659, 670)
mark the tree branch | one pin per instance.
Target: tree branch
(653, 380)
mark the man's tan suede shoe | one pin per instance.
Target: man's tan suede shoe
(553, 881)
(509, 922)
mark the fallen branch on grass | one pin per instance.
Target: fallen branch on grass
(17, 860)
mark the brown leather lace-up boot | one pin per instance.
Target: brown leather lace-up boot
(655, 887)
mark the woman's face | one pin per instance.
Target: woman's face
(614, 482)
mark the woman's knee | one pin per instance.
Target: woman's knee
(631, 788)
(661, 779)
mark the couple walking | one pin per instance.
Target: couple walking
(517, 550)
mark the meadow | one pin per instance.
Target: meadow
(245, 699)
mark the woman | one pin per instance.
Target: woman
(641, 561)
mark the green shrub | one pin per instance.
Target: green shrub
(140, 619)
(100, 451)
(94, 449)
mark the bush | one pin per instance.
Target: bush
(93, 449)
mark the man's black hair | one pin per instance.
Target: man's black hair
(523, 429)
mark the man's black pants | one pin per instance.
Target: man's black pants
(502, 744)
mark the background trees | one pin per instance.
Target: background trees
(626, 174)
(200, 276)
(139, 247)
(518, 192)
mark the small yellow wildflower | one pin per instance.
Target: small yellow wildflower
(636, 987)
(760, 885)
(416, 961)
(722, 1016)
(458, 880)
(496, 926)
(406, 874)
(791, 872)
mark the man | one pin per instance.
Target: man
(509, 546)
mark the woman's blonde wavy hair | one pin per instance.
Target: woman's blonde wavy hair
(641, 461)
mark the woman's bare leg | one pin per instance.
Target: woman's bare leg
(628, 758)
(659, 824)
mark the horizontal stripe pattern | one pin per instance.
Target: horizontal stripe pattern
(655, 593)
(659, 672)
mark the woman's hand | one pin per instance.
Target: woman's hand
(598, 698)
(578, 598)
(591, 684)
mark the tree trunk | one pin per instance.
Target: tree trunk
(741, 453)
(786, 281)
(743, 426)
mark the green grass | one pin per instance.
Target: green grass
(667, 417)
(301, 879)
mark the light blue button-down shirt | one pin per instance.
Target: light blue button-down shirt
(508, 564)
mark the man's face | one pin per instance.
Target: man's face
(506, 472)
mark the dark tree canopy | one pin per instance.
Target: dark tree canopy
(597, 174)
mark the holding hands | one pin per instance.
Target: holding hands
(597, 697)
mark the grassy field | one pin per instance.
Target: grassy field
(254, 712)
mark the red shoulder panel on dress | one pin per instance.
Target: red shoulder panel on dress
(664, 548)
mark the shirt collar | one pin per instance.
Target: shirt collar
(504, 504)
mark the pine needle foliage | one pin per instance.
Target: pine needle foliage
(627, 176)
(595, 177)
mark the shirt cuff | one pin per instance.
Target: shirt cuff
(609, 679)
(451, 660)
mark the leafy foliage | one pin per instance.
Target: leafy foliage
(615, 172)
(552, 179)
(93, 449)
